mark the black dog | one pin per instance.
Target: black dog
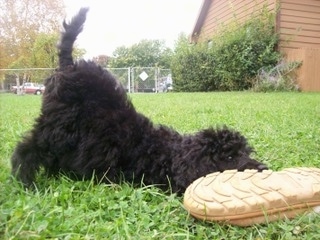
(88, 126)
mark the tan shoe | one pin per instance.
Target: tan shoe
(250, 197)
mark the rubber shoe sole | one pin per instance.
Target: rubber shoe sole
(252, 197)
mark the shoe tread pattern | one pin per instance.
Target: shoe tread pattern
(248, 197)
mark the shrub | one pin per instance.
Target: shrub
(279, 78)
(232, 60)
(192, 67)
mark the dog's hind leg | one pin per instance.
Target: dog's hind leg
(25, 162)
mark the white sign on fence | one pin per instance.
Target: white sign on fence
(143, 76)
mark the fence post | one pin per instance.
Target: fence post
(156, 79)
(132, 79)
(129, 82)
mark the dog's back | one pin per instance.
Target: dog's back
(89, 126)
(83, 108)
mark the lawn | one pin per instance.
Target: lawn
(284, 129)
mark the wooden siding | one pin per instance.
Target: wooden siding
(309, 72)
(299, 28)
(220, 13)
(299, 24)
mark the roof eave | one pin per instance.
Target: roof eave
(199, 23)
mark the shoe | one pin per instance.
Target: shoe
(252, 197)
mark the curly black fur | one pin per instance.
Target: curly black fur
(88, 126)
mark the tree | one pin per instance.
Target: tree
(21, 22)
(102, 60)
(146, 53)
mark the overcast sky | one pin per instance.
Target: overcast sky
(113, 23)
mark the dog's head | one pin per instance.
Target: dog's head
(228, 150)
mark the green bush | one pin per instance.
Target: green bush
(192, 67)
(232, 59)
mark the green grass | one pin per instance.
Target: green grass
(284, 129)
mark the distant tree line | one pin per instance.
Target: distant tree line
(29, 32)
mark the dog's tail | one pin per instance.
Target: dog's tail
(68, 37)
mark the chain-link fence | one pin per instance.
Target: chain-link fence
(144, 79)
(150, 79)
(136, 79)
(164, 80)
(123, 75)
